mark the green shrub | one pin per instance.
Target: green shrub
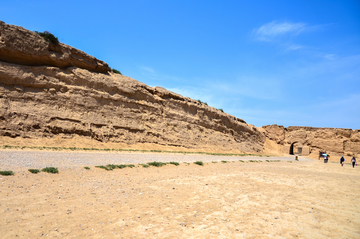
(199, 163)
(35, 171)
(103, 167)
(214, 161)
(175, 163)
(116, 71)
(156, 164)
(111, 166)
(223, 161)
(6, 173)
(221, 110)
(49, 37)
(50, 170)
(87, 168)
(145, 165)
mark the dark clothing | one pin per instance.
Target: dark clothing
(353, 160)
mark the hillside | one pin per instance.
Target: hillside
(55, 95)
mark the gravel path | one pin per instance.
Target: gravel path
(22, 159)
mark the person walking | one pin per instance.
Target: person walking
(342, 160)
(353, 161)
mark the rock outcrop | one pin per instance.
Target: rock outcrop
(63, 92)
(21, 46)
(334, 140)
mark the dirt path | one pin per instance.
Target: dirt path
(304, 199)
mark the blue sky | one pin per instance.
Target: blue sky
(291, 63)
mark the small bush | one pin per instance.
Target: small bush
(242, 161)
(111, 166)
(116, 71)
(87, 168)
(35, 171)
(6, 173)
(223, 161)
(175, 163)
(221, 110)
(156, 164)
(199, 163)
(50, 170)
(49, 37)
(145, 165)
(214, 161)
(103, 167)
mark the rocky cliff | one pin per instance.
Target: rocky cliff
(56, 91)
(331, 140)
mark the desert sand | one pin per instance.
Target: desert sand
(287, 199)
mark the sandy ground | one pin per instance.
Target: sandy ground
(301, 199)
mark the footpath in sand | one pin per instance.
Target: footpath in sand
(304, 199)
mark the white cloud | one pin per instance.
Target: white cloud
(274, 29)
(294, 47)
(330, 56)
(261, 88)
(147, 69)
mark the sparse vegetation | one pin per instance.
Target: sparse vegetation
(50, 170)
(271, 161)
(34, 171)
(145, 165)
(103, 167)
(199, 163)
(223, 161)
(175, 163)
(242, 161)
(214, 161)
(110, 167)
(116, 71)
(6, 173)
(200, 102)
(49, 37)
(157, 164)
(87, 168)
(221, 110)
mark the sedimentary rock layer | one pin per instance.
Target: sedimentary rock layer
(21, 46)
(340, 141)
(45, 94)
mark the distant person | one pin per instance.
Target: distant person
(353, 161)
(342, 160)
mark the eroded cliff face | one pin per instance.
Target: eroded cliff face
(336, 140)
(21, 46)
(70, 94)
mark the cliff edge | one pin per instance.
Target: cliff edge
(57, 92)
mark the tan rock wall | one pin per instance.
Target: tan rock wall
(21, 46)
(336, 140)
(45, 101)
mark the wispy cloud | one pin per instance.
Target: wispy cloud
(294, 47)
(272, 30)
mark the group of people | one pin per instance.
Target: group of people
(353, 161)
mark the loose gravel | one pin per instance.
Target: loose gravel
(24, 159)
